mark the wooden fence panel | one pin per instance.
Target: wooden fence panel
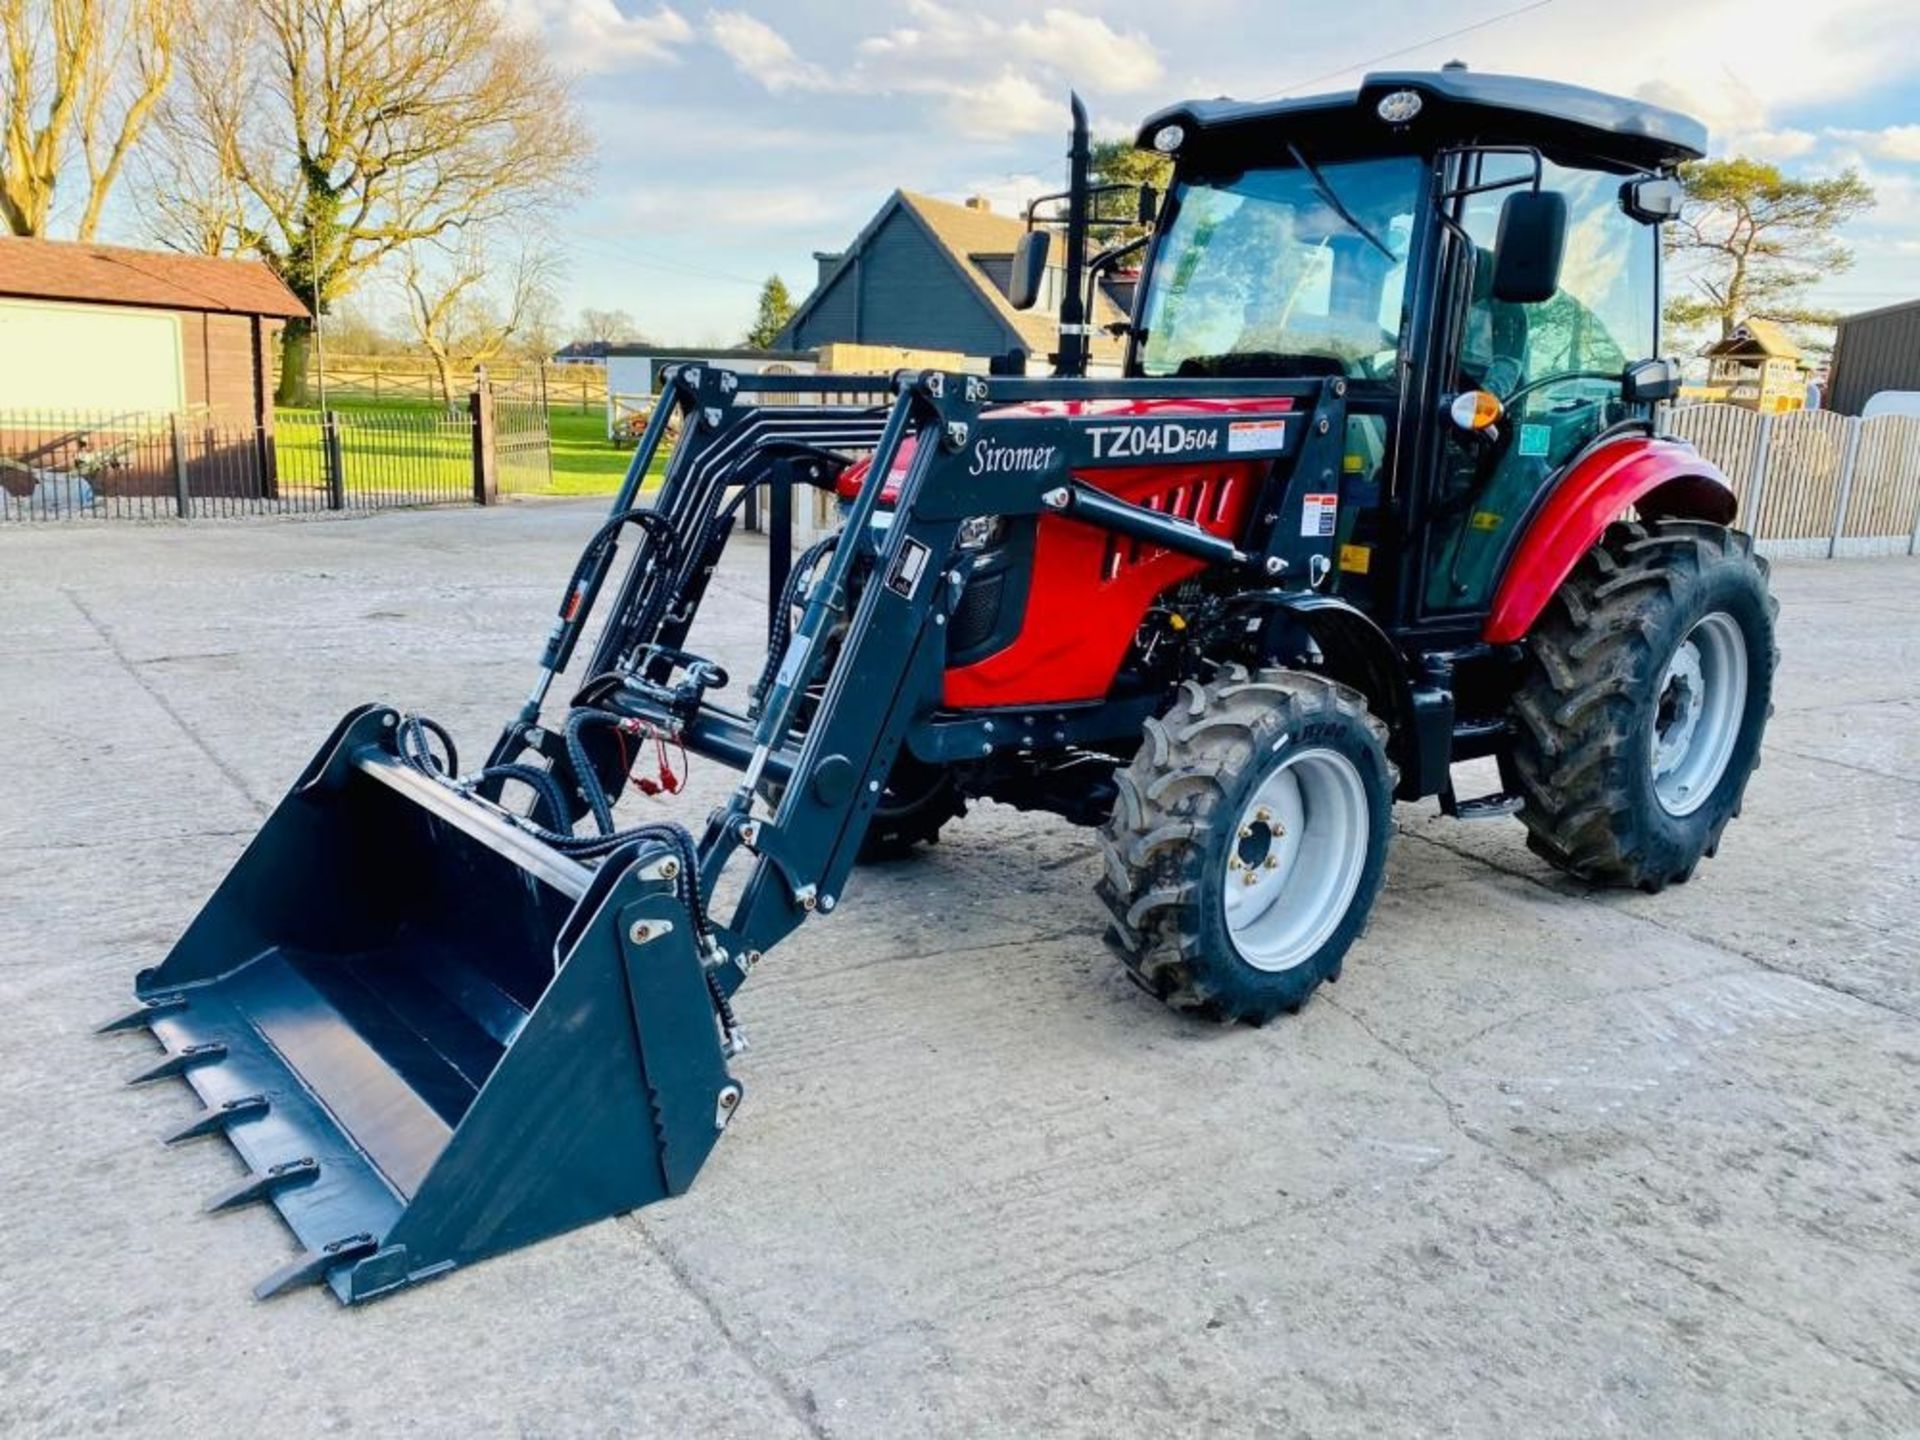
(1886, 481)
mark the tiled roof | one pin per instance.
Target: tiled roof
(965, 232)
(160, 279)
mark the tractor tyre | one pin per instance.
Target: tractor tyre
(917, 800)
(1648, 685)
(1247, 842)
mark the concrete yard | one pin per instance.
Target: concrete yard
(1543, 1163)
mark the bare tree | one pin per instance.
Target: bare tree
(607, 327)
(457, 315)
(79, 83)
(361, 128)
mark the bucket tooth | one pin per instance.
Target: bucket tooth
(215, 1119)
(265, 1184)
(181, 1061)
(144, 1014)
(311, 1266)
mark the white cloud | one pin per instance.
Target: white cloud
(1009, 104)
(596, 35)
(989, 79)
(762, 53)
(1769, 144)
(1895, 142)
(1060, 41)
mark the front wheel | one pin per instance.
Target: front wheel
(1247, 842)
(1647, 691)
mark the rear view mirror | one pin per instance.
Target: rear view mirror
(1528, 247)
(1029, 269)
(1648, 382)
(1653, 199)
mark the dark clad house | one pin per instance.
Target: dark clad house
(927, 274)
(1874, 351)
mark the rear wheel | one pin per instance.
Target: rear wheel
(1648, 689)
(1247, 842)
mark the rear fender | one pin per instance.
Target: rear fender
(1662, 478)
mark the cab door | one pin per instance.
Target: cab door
(1602, 318)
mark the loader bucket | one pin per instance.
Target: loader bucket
(430, 1037)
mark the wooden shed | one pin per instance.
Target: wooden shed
(102, 328)
(1757, 367)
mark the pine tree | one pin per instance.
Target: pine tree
(776, 308)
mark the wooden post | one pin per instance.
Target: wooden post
(486, 477)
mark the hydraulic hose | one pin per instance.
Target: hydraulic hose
(415, 751)
(782, 633)
(546, 788)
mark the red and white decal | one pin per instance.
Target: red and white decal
(1256, 437)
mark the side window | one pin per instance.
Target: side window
(1602, 316)
(1601, 319)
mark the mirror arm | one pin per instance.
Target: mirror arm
(1536, 180)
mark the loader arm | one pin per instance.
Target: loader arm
(399, 1047)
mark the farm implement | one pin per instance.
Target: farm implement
(1380, 489)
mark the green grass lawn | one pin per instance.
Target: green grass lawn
(584, 461)
(412, 445)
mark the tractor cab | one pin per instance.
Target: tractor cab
(1476, 255)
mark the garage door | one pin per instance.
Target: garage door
(88, 357)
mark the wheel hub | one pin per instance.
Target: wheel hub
(1698, 708)
(1299, 849)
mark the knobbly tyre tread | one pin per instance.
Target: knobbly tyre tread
(1154, 848)
(1577, 745)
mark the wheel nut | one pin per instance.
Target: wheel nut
(1272, 862)
(1246, 832)
(1248, 878)
(1235, 863)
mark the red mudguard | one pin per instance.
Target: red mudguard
(1662, 478)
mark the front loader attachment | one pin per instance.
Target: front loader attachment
(431, 1037)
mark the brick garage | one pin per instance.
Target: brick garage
(98, 338)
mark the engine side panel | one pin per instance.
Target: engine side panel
(1091, 589)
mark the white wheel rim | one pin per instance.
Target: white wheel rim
(1295, 859)
(1698, 706)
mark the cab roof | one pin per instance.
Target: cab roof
(1457, 106)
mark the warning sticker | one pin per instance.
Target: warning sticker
(908, 569)
(1256, 437)
(1356, 559)
(1318, 514)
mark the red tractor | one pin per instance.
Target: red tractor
(1381, 489)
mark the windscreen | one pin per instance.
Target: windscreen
(1284, 271)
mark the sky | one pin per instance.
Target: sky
(738, 138)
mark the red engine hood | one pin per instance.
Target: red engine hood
(855, 475)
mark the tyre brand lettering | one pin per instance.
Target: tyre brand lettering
(1122, 442)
